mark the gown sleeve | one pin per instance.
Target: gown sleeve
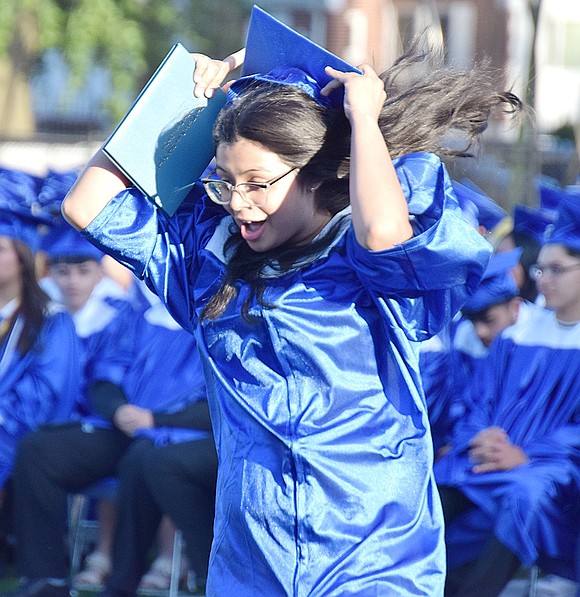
(427, 278)
(154, 246)
(42, 386)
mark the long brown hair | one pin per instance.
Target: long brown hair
(33, 300)
(416, 117)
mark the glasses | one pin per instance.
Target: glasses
(537, 271)
(254, 193)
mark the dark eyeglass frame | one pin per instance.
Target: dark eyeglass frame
(537, 271)
(231, 188)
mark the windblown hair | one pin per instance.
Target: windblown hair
(33, 300)
(283, 119)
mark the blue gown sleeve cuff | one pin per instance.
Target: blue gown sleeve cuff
(445, 252)
(130, 216)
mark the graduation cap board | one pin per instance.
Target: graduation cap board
(270, 44)
(497, 285)
(20, 222)
(164, 143)
(63, 242)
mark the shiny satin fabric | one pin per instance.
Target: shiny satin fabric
(157, 365)
(40, 387)
(528, 385)
(105, 332)
(325, 483)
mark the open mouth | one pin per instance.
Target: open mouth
(251, 231)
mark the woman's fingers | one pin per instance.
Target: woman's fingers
(339, 78)
(210, 73)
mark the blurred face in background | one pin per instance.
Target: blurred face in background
(559, 282)
(10, 268)
(76, 281)
(493, 320)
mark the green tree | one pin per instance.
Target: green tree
(128, 37)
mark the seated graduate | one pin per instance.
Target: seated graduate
(444, 369)
(74, 267)
(163, 376)
(170, 469)
(512, 474)
(495, 305)
(498, 301)
(76, 277)
(40, 366)
(528, 231)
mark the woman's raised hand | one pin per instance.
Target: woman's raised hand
(210, 73)
(364, 94)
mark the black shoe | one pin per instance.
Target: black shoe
(40, 587)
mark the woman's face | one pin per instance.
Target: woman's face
(560, 282)
(288, 216)
(10, 267)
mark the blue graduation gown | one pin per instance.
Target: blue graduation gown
(164, 373)
(108, 344)
(529, 386)
(325, 482)
(436, 366)
(39, 387)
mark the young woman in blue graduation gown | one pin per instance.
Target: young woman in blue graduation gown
(40, 369)
(513, 473)
(307, 291)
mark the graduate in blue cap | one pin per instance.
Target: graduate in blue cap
(495, 304)
(40, 368)
(325, 245)
(510, 485)
(449, 361)
(74, 265)
(526, 233)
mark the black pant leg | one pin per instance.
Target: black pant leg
(453, 502)
(182, 478)
(50, 463)
(138, 518)
(487, 575)
(491, 572)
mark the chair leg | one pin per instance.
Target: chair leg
(533, 581)
(78, 513)
(176, 564)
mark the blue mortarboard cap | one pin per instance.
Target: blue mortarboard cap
(270, 44)
(566, 228)
(549, 193)
(53, 190)
(19, 186)
(62, 241)
(19, 222)
(497, 285)
(532, 222)
(490, 213)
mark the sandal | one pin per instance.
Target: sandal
(158, 578)
(95, 573)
